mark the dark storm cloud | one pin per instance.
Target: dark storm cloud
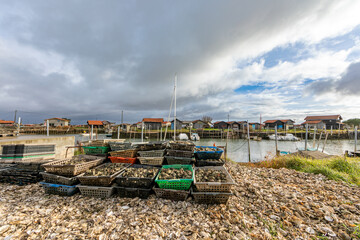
(127, 52)
(348, 84)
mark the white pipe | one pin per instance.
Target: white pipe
(118, 135)
(47, 127)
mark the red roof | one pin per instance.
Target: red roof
(281, 120)
(311, 122)
(220, 122)
(95, 122)
(6, 122)
(327, 117)
(153, 120)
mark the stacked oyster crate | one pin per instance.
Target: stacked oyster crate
(60, 177)
(212, 184)
(136, 181)
(180, 152)
(152, 153)
(122, 152)
(97, 148)
(98, 182)
(23, 152)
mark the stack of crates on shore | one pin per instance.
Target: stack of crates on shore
(174, 182)
(97, 148)
(122, 152)
(136, 181)
(151, 153)
(180, 152)
(61, 176)
(212, 182)
(99, 181)
(23, 152)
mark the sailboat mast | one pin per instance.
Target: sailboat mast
(175, 107)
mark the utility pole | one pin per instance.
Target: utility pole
(15, 116)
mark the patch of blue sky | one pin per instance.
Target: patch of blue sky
(342, 42)
(252, 88)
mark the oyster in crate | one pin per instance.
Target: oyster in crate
(210, 175)
(174, 173)
(140, 172)
(106, 169)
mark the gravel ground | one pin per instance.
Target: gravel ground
(267, 204)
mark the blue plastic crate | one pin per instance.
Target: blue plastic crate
(63, 190)
(203, 155)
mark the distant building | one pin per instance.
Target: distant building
(179, 124)
(327, 121)
(187, 124)
(58, 122)
(221, 125)
(236, 126)
(280, 123)
(199, 124)
(255, 125)
(153, 123)
(6, 123)
(95, 123)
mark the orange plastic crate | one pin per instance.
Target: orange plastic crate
(122, 160)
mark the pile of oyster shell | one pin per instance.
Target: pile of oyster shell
(174, 173)
(139, 172)
(105, 169)
(213, 160)
(210, 175)
(76, 161)
(206, 149)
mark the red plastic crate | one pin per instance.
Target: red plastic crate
(123, 160)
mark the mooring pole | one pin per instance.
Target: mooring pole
(118, 135)
(319, 140)
(142, 131)
(47, 127)
(276, 141)
(355, 133)
(92, 132)
(248, 136)
(306, 137)
(314, 138)
(326, 137)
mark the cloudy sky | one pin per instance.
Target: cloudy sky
(92, 59)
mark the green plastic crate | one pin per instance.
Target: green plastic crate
(96, 150)
(178, 184)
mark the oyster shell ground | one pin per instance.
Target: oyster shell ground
(267, 204)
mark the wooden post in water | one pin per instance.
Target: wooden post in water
(355, 133)
(97, 132)
(314, 138)
(331, 129)
(226, 144)
(319, 141)
(142, 132)
(47, 127)
(118, 136)
(160, 133)
(248, 136)
(306, 136)
(276, 141)
(92, 132)
(327, 134)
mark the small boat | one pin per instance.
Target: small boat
(108, 135)
(287, 137)
(195, 137)
(183, 136)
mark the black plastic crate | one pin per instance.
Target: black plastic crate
(172, 194)
(57, 189)
(134, 182)
(211, 197)
(209, 162)
(171, 160)
(132, 192)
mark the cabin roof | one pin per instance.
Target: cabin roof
(61, 119)
(326, 117)
(153, 120)
(95, 122)
(6, 122)
(311, 122)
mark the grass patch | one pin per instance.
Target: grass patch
(337, 168)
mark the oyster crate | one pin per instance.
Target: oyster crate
(211, 197)
(56, 179)
(116, 146)
(136, 182)
(152, 153)
(95, 149)
(182, 145)
(155, 161)
(172, 194)
(171, 160)
(62, 190)
(95, 191)
(150, 146)
(214, 186)
(104, 181)
(177, 184)
(123, 160)
(215, 154)
(132, 192)
(61, 167)
(180, 153)
(129, 153)
(209, 162)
